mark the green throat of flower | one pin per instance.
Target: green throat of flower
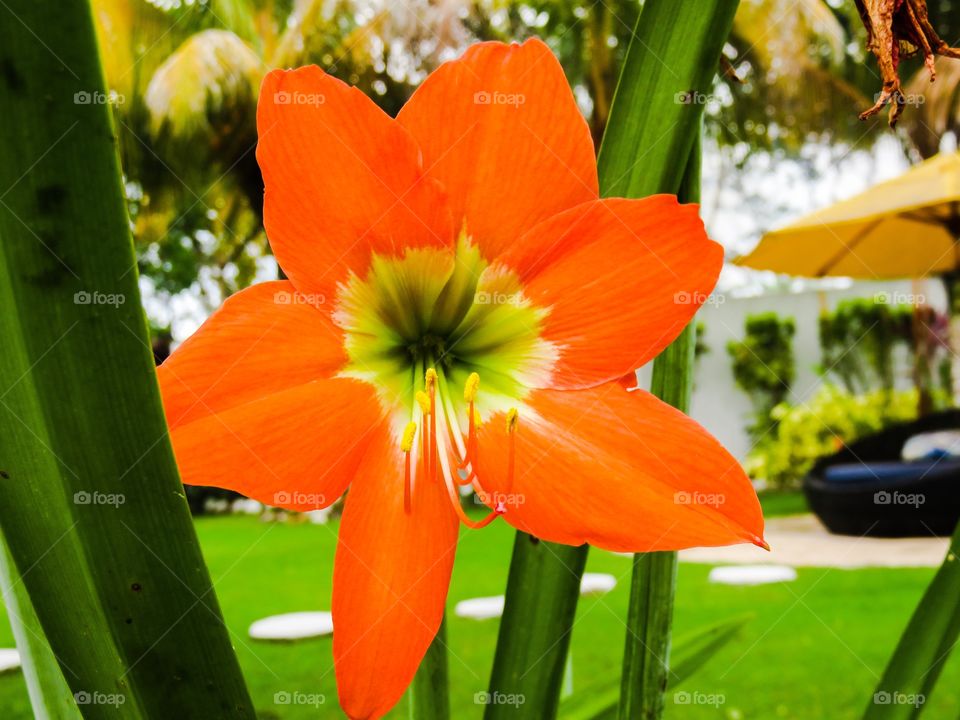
(422, 328)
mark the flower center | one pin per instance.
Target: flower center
(422, 328)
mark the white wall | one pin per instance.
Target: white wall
(719, 404)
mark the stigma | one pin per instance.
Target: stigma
(446, 455)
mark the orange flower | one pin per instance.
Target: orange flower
(460, 309)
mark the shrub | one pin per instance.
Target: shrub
(832, 418)
(763, 365)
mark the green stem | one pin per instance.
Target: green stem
(657, 116)
(542, 592)
(646, 657)
(429, 693)
(646, 147)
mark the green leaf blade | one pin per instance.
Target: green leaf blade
(90, 501)
(923, 649)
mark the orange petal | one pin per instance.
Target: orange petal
(342, 178)
(390, 580)
(620, 470)
(298, 448)
(501, 130)
(262, 340)
(621, 278)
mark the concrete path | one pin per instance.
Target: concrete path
(801, 541)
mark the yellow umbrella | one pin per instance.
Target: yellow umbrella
(905, 227)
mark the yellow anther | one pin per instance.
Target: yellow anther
(431, 379)
(471, 387)
(512, 418)
(406, 443)
(423, 400)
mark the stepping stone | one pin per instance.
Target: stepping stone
(246, 506)
(216, 506)
(485, 608)
(319, 517)
(9, 660)
(292, 626)
(481, 608)
(752, 574)
(597, 583)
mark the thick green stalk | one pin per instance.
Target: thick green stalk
(657, 109)
(430, 691)
(653, 125)
(652, 145)
(50, 695)
(542, 592)
(646, 656)
(90, 502)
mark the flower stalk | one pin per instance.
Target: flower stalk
(652, 109)
(646, 657)
(430, 690)
(647, 148)
(541, 602)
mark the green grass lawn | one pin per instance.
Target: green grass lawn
(814, 650)
(783, 502)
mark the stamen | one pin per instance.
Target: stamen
(423, 400)
(513, 417)
(431, 383)
(471, 387)
(454, 496)
(406, 444)
(470, 456)
(441, 453)
(447, 419)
